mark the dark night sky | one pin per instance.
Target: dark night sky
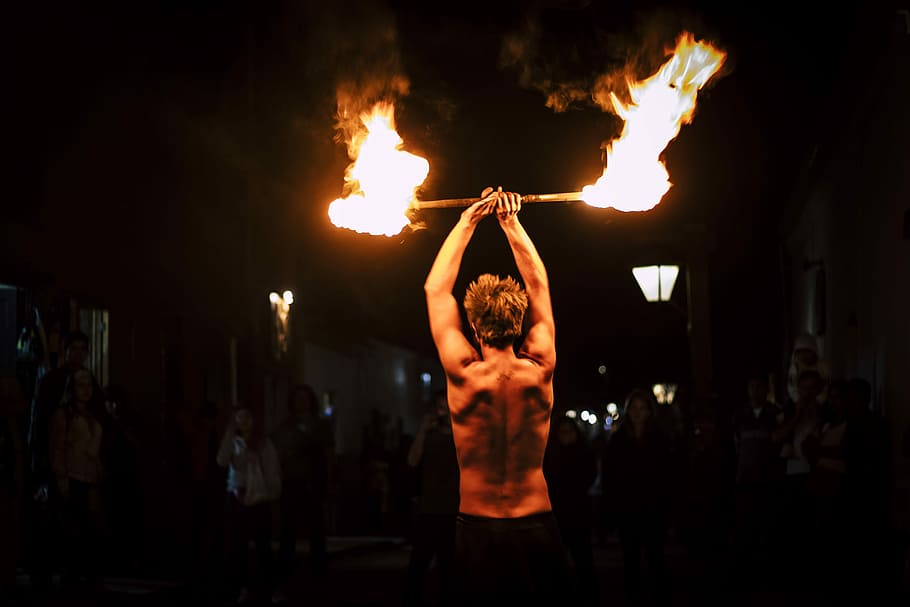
(148, 112)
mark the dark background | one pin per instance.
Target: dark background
(165, 133)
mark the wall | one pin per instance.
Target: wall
(851, 221)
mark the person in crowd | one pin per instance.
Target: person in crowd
(507, 542)
(306, 451)
(375, 471)
(637, 470)
(570, 467)
(203, 479)
(121, 483)
(75, 436)
(704, 484)
(805, 357)
(48, 398)
(754, 424)
(253, 485)
(868, 486)
(400, 477)
(827, 455)
(432, 453)
(802, 420)
(12, 472)
(32, 360)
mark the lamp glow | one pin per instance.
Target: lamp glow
(656, 282)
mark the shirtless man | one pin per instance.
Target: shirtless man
(507, 544)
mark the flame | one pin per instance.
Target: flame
(381, 180)
(635, 179)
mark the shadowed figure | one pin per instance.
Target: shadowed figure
(305, 448)
(754, 423)
(433, 454)
(570, 467)
(637, 470)
(12, 468)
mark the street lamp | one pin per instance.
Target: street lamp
(656, 282)
(281, 311)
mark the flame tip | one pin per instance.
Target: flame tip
(635, 177)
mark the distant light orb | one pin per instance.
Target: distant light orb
(585, 415)
(571, 414)
(602, 369)
(274, 297)
(592, 419)
(426, 378)
(612, 408)
(288, 297)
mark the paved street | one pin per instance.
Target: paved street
(369, 572)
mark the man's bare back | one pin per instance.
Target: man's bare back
(500, 421)
(507, 543)
(500, 402)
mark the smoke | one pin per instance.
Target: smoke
(354, 44)
(522, 53)
(585, 65)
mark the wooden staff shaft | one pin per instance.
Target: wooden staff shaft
(450, 203)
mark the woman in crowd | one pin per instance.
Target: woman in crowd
(75, 458)
(253, 483)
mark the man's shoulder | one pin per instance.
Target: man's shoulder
(519, 362)
(526, 359)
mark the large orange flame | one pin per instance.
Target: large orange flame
(381, 180)
(635, 179)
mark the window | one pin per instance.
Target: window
(94, 323)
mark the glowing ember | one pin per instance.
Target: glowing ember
(635, 178)
(382, 181)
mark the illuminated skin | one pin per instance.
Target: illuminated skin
(500, 402)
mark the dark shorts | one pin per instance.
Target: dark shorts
(501, 561)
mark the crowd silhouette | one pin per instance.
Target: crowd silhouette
(797, 483)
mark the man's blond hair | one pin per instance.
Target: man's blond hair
(496, 307)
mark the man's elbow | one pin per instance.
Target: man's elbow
(432, 289)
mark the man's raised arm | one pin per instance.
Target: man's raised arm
(455, 351)
(540, 343)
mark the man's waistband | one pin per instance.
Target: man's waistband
(536, 518)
